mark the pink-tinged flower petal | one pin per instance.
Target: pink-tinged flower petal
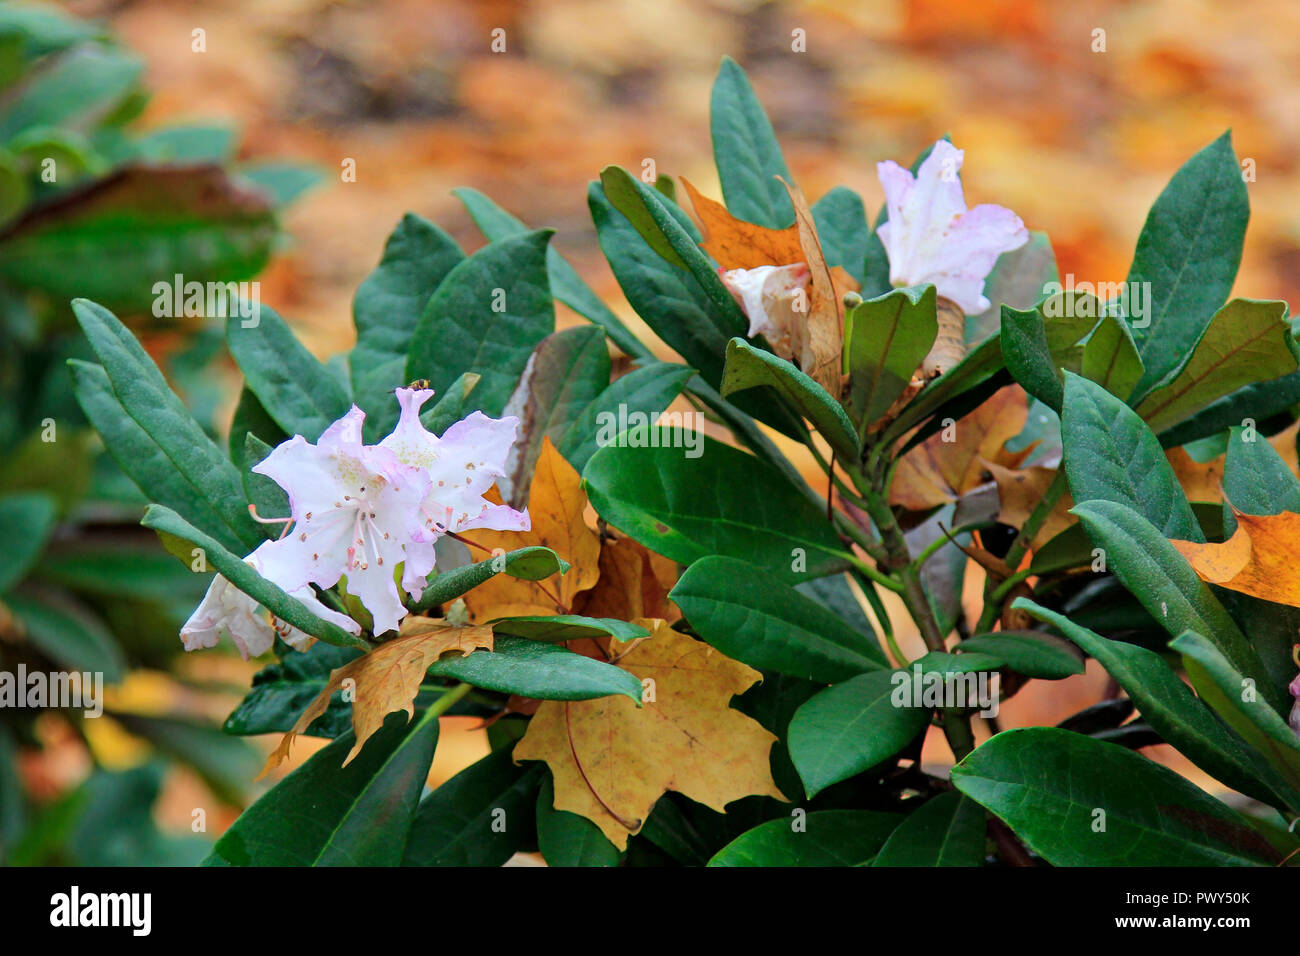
(768, 296)
(461, 465)
(420, 560)
(930, 237)
(227, 610)
(1294, 718)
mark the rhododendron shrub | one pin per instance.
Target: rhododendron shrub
(681, 647)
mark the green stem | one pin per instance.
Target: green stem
(928, 551)
(884, 580)
(447, 701)
(882, 616)
(850, 528)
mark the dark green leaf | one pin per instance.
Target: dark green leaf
(26, 521)
(1170, 708)
(749, 367)
(825, 838)
(1111, 455)
(566, 284)
(545, 671)
(948, 830)
(480, 817)
(843, 231)
(486, 317)
(852, 727)
(1165, 584)
(568, 839)
(1247, 341)
(746, 152)
(386, 309)
(564, 375)
(1031, 653)
(1189, 251)
(1077, 801)
(645, 391)
(325, 814)
(556, 629)
(175, 445)
(686, 508)
(294, 388)
(242, 576)
(885, 340)
(122, 240)
(733, 606)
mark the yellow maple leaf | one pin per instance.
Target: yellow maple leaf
(387, 678)
(612, 760)
(556, 504)
(1259, 559)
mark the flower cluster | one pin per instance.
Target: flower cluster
(357, 513)
(930, 237)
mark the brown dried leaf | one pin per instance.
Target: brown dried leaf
(819, 343)
(612, 760)
(1020, 490)
(937, 471)
(387, 679)
(736, 244)
(557, 505)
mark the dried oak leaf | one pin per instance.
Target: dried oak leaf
(1259, 559)
(557, 505)
(937, 472)
(736, 244)
(387, 678)
(1020, 490)
(819, 343)
(612, 760)
(816, 344)
(634, 582)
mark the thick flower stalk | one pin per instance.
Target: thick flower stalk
(931, 237)
(359, 512)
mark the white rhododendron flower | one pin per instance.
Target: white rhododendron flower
(227, 610)
(461, 466)
(359, 511)
(773, 298)
(354, 507)
(931, 237)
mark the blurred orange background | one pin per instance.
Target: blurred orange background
(1076, 138)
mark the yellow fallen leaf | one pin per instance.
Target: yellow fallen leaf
(556, 504)
(386, 679)
(612, 760)
(1259, 559)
